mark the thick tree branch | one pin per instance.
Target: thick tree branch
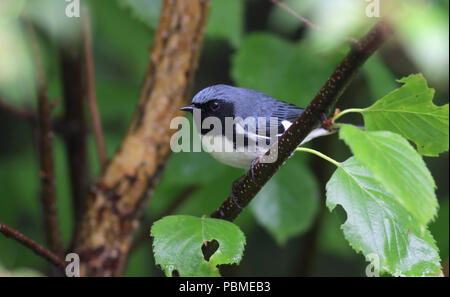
(116, 201)
(246, 187)
(33, 245)
(47, 173)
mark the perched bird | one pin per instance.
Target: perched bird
(249, 122)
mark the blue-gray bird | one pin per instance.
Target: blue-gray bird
(257, 121)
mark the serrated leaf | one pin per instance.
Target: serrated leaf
(377, 224)
(410, 112)
(178, 241)
(288, 204)
(398, 167)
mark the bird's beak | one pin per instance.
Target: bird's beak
(188, 108)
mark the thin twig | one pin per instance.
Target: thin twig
(33, 245)
(17, 111)
(47, 173)
(246, 187)
(146, 222)
(296, 15)
(307, 22)
(75, 138)
(96, 121)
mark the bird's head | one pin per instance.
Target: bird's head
(215, 101)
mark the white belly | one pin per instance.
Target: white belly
(222, 150)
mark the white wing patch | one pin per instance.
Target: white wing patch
(286, 124)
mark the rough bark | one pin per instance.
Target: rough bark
(117, 198)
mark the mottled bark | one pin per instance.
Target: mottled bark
(117, 198)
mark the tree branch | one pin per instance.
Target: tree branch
(246, 187)
(18, 112)
(296, 15)
(75, 133)
(32, 245)
(47, 173)
(116, 201)
(95, 115)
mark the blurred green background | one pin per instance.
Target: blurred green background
(249, 43)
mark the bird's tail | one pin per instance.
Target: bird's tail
(319, 132)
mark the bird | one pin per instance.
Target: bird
(238, 125)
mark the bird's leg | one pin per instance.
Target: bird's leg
(327, 123)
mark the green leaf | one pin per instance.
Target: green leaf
(144, 10)
(440, 228)
(397, 166)
(377, 224)
(379, 78)
(272, 65)
(410, 112)
(226, 20)
(288, 204)
(178, 244)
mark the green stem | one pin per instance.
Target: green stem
(350, 110)
(319, 154)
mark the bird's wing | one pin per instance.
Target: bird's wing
(273, 124)
(285, 114)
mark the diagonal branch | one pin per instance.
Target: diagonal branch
(296, 15)
(47, 173)
(32, 245)
(246, 187)
(93, 107)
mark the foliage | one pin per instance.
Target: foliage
(178, 240)
(409, 111)
(378, 224)
(280, 209)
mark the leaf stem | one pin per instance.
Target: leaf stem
(319, 154)
(350, 110)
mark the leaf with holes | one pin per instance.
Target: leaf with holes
(410, 112)
(379, 226)
(178, 242)
(398, 167)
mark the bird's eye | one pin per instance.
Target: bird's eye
(214, 106)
